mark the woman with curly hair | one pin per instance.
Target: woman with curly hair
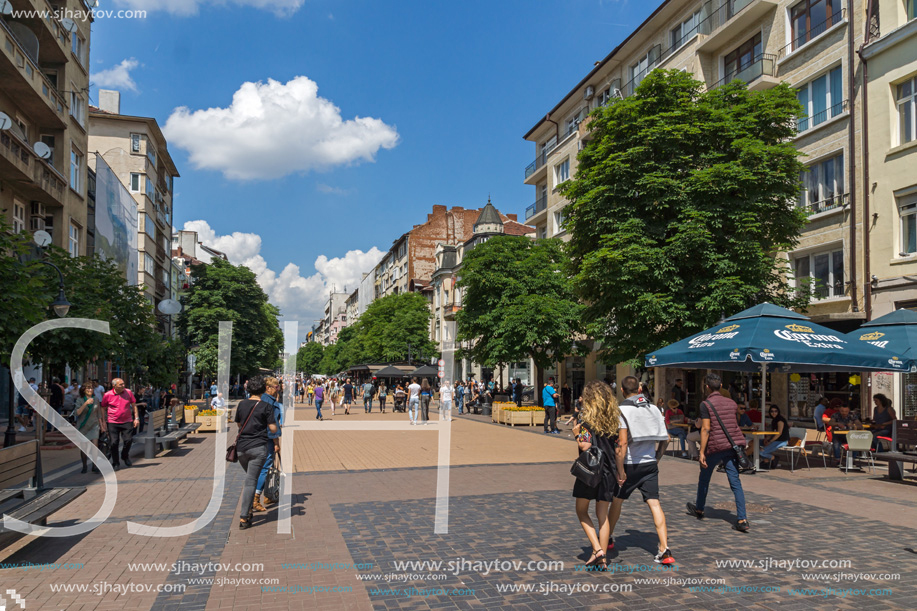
(599, 424)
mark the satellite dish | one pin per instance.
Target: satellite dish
(42, 150)
(68, 24)
(169, 307)
(5, 7)
(41, 238)
(5, 121)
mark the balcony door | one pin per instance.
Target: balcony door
(742, 57)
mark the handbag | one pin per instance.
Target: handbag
(587, 467)
(231, 454)
(741, 456)
(272, 483)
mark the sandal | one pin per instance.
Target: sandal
(598, 559)
(243, 524)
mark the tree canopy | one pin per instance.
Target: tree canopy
(517, 302)
(309, 357)
(680, 204)
(222, 291)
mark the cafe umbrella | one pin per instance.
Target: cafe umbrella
(390, 372)
(766, 338)
(895, 332)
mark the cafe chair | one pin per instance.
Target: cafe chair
(797, 446)
(819, 444)
(859, 441)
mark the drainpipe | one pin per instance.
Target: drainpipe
(547, 117)
(851, 162)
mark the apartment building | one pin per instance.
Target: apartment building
(138, 153)
(890, 134)
(44, 71)
(335, 317)
(809, 44)
(352, 308)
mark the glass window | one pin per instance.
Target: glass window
(561, 172)
(824, 271)
(150, 190)
(907, 110)
(823, 185)
(18, 216)
(77, 109)
(78, 46)
(822, 99)
(743, 57)
(810, 18)
(911, 9)
(76, 170)
(907, 209)
(135, 143)
(135, 182)
(74, 240)
(685, 30)
(151, 153)
(644, 65)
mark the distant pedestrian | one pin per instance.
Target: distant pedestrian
(459, 396)
(310, 391)
(319, 392)
(414, 399)
(348, 395)
(549, 398)
(255, 419)
(88, 420)
(218, 402)
(566, 398)
(121, 420)
(517, 392)
(383, 392)
(368, 392)
(24, 411)
(426, 394)
(445, 401)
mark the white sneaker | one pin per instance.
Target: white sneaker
(22, 429)
(412, 423)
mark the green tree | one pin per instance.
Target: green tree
(222, 291)
(331, 363)
(309, 357)
(391, 328)
(517, 302)
(681, 201)
(24, 291)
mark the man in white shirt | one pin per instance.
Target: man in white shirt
(218, 402)
(414, 399)
(98, 392)
(445, 401)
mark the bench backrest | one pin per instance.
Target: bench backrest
(19, 464)
(158, 419)
(905, 432)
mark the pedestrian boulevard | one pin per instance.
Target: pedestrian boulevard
(363, 533)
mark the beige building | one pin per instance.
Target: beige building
(890, 66)
(44, 84)
(138, 153)
(809, 44)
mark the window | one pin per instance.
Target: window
(559, 221)
(646, 63)
(543, 231)
(822, 98)
(76, 170)
(78, 46)
(907, 109)
(577, 117)
(149, 265)
(684, 31)
(135, 182)
(907, 210)
(150, 190)
(562, 172)
(135, 143)
(911, 9)
(74, 240)
(18, 216)
(823, 185)
(810, 18)
(823, 271)
(743, 57)
(77, 109)
(151, 153)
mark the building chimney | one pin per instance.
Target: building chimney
(110, 101)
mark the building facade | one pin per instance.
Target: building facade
(44, 71)
(138, 153)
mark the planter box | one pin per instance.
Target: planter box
(190, 415)
(522, 418)
(211, 423)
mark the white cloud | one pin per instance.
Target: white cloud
(299, 297)
(281, 8)
(274, 129)
(323, 188)
(117, 77)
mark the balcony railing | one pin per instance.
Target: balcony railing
(763, 65)
(25, 159)
(831, 203)
(721, 16)
(32, 73)
(805, 37)
(540, 204)
(539, 161)
(818, 118)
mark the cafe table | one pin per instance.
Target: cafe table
(756, 442)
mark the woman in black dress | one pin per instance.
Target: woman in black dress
(599, 425)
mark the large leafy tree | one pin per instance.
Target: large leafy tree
(518, 302)
(24, 292)
(681, 202)
(222, 291)
(392, 328)
(309, 357)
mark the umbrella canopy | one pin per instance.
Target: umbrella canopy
(426, 370)
(770, 338)
(390, 372)
(895, 332)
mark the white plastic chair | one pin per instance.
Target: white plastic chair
(799, 448)
(860, 441)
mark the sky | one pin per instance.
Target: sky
(311, 134)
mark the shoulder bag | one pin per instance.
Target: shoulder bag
(587, 467)
(272, 483)
(741, 456)
(231, 454)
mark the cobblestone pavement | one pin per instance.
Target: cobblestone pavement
(374, 506)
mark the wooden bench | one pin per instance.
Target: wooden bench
(177, 415)
(158, 432)
(21, 464)
(904, 433)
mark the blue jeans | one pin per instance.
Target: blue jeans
(459, 402)
(768, 450)
(268, 463)
(251, 460)
(728, 458)
(413, 404)
(679, 432)
(367, 404)
(318, 408)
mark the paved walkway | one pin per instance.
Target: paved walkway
(364, 503)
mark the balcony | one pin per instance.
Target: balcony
(53, 39)
(540, 204)
(835, 202)
(759, 74)
(738, 14)
(535, 170)
(806, 123)
(23, 80)
(33, 176)
(814, 32)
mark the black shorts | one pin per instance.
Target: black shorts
(643, 477)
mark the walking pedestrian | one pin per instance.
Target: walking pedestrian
(426, 394)
(319, 392)
(255, 419)
(271, 396)
(383, 391)
(310, 391)
(566, 398)
(517, 392)
(717, 412)
(24, 411)
(368, 391)
(88, 420)
(413, 399)
(549, 398)
(459, 396)
(55, 400)
(348, 395)
(599, 424)
(645, 427)
(445, 401)
(120, 421)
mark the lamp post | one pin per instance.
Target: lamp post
(61, 308)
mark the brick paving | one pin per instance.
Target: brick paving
(369, 499)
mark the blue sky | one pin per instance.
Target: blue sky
(459, 83)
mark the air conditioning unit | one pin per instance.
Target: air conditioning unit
(38, 209)
(37, 223)
(590, 91)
